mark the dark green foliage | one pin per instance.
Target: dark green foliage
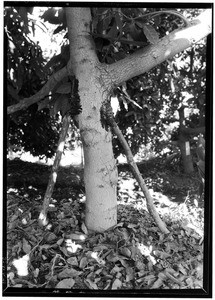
(117, 32)
(35, 131)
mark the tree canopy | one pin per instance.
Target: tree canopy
(147, 105)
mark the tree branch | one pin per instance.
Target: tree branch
(145, 59)
(45, 90)
(43, 221)
(188, 130)
(134, 168)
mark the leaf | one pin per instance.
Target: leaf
(84, 228)
(69, 272)
(65, 88)
(157, 20)
(26, 246)
(59, 29)
(45, 246)
(60, 241)
(36, 272)
(100, 248)
(161, 254)
(12, 92)
(50, 237)
(134, 32)
(61, 104)
(125, 103)
(83, 263)
(123, 262)
(117, 284)
(92, 285)
(157, 284)
(151, 34)
(49, 15)
(76, 236)
(73, 261)
(139, 265)
(104, 24)
(18, 285)
(129, 274)
(65, 284)
(182, 269)
(149, 279)
(113, 31)
(42, 104)
(125, 252)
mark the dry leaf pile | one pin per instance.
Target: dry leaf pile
(132, 255)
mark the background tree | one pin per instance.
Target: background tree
(100, 77)
(25, 76)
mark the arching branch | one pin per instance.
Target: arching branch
(45, 90)
(150, 56)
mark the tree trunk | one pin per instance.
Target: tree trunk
(184, 144)
(186, 156)
(100, 172)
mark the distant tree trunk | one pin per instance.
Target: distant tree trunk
(186, 156)
(184, 145)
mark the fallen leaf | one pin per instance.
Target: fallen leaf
(84, 228)
(115, 269)
(161, 254)
(65, 284)
(60, 241)
(117, 284)
(76, 236)
(157, 284)
(73, 261)
(50, 237)
(91, 284)
(83, 263)
(26, 246)
(36, 272)
(18, 285)
(69, 272)
(125, 251)
(100, 248)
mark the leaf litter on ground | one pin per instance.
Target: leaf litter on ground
(132, 255)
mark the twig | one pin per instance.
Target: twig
(172, 278)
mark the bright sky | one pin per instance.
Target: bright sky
(50, 44)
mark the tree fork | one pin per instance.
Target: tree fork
(43, 221)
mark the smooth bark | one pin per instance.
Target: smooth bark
(100, 172)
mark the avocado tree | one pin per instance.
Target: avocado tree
(140, 45)
(30, 129)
